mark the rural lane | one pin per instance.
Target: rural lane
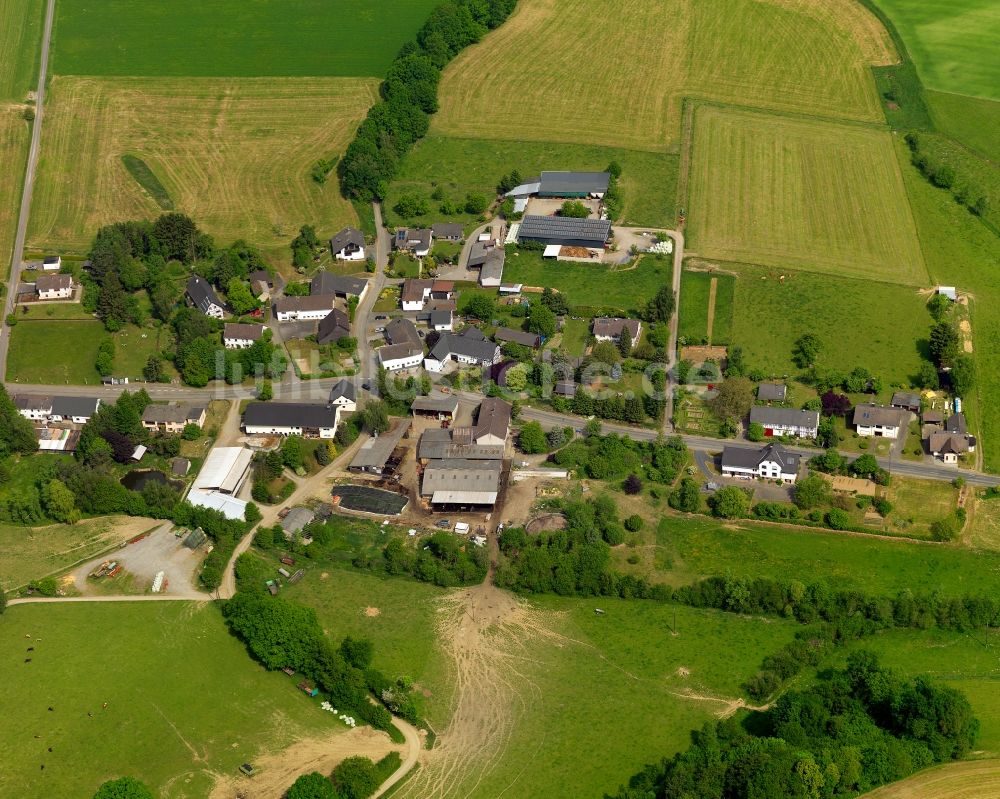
(413, 747)
(364, 310)
(17, 257)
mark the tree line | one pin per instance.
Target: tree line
(409, 94)
(855, 729)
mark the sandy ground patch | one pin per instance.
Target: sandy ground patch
(372, 612)
(277, 771)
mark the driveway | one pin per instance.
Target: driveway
(763, 491)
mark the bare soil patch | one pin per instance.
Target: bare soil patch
(702, 354)
(372, 612)
(550, 521)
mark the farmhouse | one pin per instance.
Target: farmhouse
(348, 245)
(521, 337)
(906, 400)
(172, 418)
(237, 336)
(415, 293)
(469, 347)
(610, 328)
(402, 331)
(36, 407)
(415, 240)
(202, 296)
(51, 263)
(313, 307)
(785, 421)
(437, 407)
(344, 395)
(333, 327)
(376, 451)
(447, 231)
(77, 410)
(772, 392)
(772, 462)
(324, 282)
(565, 231)
(54, 287)
(493, 422)
(878, 420)
(291, 419)
(461, 482)
(564, 184)
(394, 357)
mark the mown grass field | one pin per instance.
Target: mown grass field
(791, 192)
(952, 42)
(180, 690)
(918, 504)
(696, 290)
(876, 325)
(463, 165)
(688, 549)
(960, 250)
(984, 530)
(593, 285)
(232, 37)
(234, 154)
(558, 71)
(971, 121)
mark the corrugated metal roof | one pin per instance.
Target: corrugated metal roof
(376, 451)
(224, 468)
(567, 228)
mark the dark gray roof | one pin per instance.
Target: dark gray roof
(53, 282)
(440, 318)
(202, 294)
(289, 414)
(784, 417)
(74, 406)
(394, 352)
(467, 344)
(344, 388)
(412, 238)
(313, 302)
(435, 404)
(494, 418)
(905, 399)
(479, 251)
(402, 331)
(376, 451)
(562, 228)
(347, 236)
(613, 326)
(327, 283)
(772, 392)
(335, 325)
(867, 415)
(956, 424)
(750, 458)
(566, 388)
(492, 266)
(236, 330)
(447, 230)
(574, 182)
(32, 402)
(517, 336)
(461, 474)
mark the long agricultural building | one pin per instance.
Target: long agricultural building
(567, 231)
(291, 419)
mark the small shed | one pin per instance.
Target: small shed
(195, 538)
(552, 251)
(138, 452)
(180, 466)
(948, 291)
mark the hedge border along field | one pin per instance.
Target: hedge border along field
(558, 71)
(234, 153)
(232, 38)
(800, 193)
(953, 43)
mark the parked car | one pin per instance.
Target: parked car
(444, 524)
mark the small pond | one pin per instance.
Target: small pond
(371, 500)
(137, 479)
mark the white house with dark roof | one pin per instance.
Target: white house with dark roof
(348, 245)
(36, 407)
(470, 347)
(394, 357)
(291, 419)
(54, 287)
(343, 286)
(202, 296)
(772, 392)
(333, 327)
(311, 308)
(345, 396)
(77, 410)
(610, 328)
(447, 231)
(878, 420)
(415, 293)
(786, 421)
(237, 336)
(771, 462)
(492, 422)
(415, 240)
(51, 263)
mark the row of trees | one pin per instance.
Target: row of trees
(409, 94)
(856, 729)
(353, 778)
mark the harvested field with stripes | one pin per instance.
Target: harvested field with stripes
(557, 71)
(976, 779)
(235, 154)
(799, 193)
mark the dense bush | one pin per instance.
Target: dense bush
(615, 457)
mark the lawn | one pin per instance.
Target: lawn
(961, 251)
(235, 154)
(575, 335)
(920, 503)
(984, 529)
(688, 549)
(463, 165)
(179, 689)
(971, 121)
(53, 311)
(696, 293)
(406, 266)
(800, 193)
(541, 77)
(952, 42)
(595, 286)
(876, 325)
(233, 37)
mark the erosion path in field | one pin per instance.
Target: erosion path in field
(29, 184)
(487, 634)
(973, 779)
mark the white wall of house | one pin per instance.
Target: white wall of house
(789, 430)
(345, 255)
(215, 311)
(878, 430)
(413, 305)
(253, 429)
(766, 470)
(37, 415)
(345, 403)
(238, 343)
(447, 326)
(394, 365)
(292, 316)
(56, 294)
(434, 365)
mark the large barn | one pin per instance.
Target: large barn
(567, 231)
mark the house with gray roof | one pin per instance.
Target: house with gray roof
(73, 409)
(771, 462)
(447, 231)
(907, 400)
(470, 347)
(348, 245)
(610, 328)
(238, 336)
(291, 418)
(393, 357)
(573, 184)
(493, 422)
(437, 406)
(333, 327)
(345, 395)
(373, 455)
(415, 240)
(403, 331)
(314, 307)
(566, 231)
(342, 286)
(772, 392)
(786, 421)
(202, 296)
(878, 420)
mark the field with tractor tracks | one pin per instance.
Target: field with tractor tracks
(235, 154)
